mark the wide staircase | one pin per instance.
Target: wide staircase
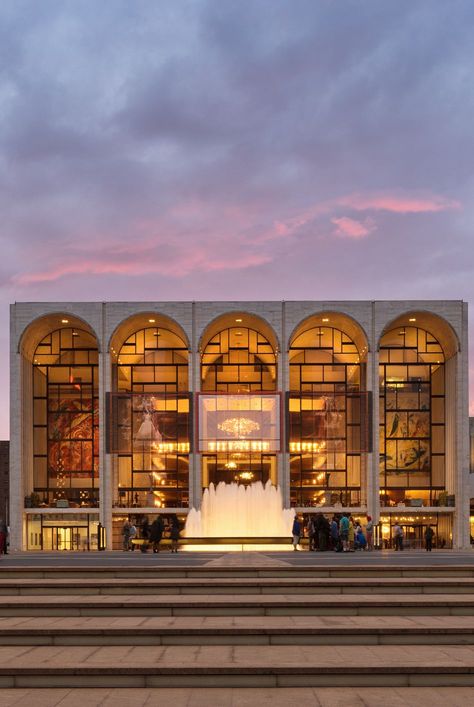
(264, 625)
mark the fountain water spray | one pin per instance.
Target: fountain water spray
(234, 510)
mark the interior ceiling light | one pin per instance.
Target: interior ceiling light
(238, 426)
(64, 321)
(238, 333)
(74, 333)
(325, 319)
(412, 319)
(152, 321)
(157, 333)
(238, 320)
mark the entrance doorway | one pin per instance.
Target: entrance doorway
(70, 538)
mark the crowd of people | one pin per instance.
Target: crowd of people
(343, 533)
(150, 534)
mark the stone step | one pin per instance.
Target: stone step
(240, 605)
(254, 585)
(241, 697)
(159, 571)
(244, 630)
(236, 666)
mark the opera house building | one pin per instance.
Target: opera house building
(129, 409)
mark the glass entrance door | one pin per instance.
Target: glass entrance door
(70, 538)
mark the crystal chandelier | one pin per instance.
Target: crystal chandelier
(238, 426)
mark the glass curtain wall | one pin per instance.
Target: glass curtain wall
(153, 461)
(412, 419)
(238, 360)
(65, 420)
(324, 419)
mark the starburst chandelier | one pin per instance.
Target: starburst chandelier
(238, 426)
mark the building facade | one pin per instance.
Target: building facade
(123, 409)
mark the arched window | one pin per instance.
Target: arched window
(153, 464)
(66, 419)
(325, 419)
(412, 418)
(238, 360)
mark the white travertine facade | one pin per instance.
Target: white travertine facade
(365, 322)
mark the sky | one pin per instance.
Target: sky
(211, 149)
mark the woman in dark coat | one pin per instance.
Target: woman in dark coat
(156, 533)
(174, 534)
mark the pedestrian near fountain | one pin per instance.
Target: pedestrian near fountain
(344, 532)
(369, 534)
(429, 534)
(334, 535)
(311, 530)
(398, 536)
(351, 534)
(174, 534)
(156, 533)
(296, 532)
(126, 535)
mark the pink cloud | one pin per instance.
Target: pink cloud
(398, 203)
(176, 267)
(350, 228)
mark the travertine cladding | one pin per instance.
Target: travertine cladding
(194, 318)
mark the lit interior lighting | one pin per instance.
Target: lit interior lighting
(238, 333)
(412, 319)
(64, 321)
(325, 319)
(238, 320)
(152, 321)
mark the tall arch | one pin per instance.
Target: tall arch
(238, 362)
(150, 374)
(416, 351)
(327, 411)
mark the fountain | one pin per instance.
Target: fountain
(238, 511)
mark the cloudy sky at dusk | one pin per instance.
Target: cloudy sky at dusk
(273, 149)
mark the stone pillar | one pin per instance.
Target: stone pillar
(195, 459)
(16, 451)
(283, 385)
(461, 530)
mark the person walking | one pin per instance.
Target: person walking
(132, 536)
(398, 536)
(174, 534)
(429, 534)
(323, 533)
(334, 535)
(156, 533)
(351, 534)
(296, 532)
(311, 531)
(344, 532)
(126, 536)
(369, 534)
(3, 537)
(145, 533)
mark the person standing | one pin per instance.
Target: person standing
(156, 533)
(334, 534)
(429, 534)
(126, 535)
(398, 536)
(174, 534)
(296, 532)
(145, 533)
(369, 534)
(344, 532)
(310, 529)
(133, 535)
(3, 537)
(351, 534)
